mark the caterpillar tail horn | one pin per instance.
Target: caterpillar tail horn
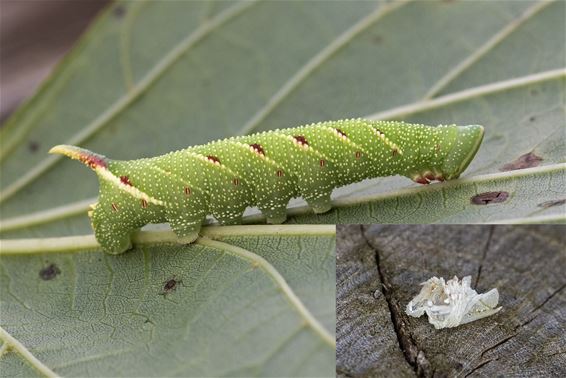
(112, 231)
(88, 158)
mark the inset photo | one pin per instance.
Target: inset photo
(450, 300)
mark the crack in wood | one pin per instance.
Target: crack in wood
(414, 356)
(548, 298)
(555, 354)
(498, 344)
(525, 323)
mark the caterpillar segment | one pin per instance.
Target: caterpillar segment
(224, 177)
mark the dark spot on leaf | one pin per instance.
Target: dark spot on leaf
(532, 118)
(524, 161)
(49, 272)
(489, 197)
(552, 203)
(533, 92)
(33, 146)
(119, 11)
(170, 285)
(377, 39)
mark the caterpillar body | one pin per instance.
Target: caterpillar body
(266, 170)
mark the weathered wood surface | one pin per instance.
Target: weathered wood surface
(366, 340)
(375, 337)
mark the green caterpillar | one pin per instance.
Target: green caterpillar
(266, 170)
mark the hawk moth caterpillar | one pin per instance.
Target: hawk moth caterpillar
(266, 170)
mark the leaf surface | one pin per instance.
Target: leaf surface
(248, 305)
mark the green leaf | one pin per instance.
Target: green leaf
(258, 302)
(133, 88)
(529, 194)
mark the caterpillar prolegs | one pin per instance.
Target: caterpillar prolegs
(266, 170)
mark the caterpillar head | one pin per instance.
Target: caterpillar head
(451, 156)
(463, 150)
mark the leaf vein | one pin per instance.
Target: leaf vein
(467, 94)
(125, 101)
(13, 344)
(316, 62)
(489, 45)
(270, 270)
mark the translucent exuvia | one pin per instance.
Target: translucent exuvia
(449, 304)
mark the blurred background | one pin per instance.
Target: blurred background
(34, 36)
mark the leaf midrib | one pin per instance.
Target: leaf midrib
(88, 243)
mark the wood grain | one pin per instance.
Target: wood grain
(526, 264)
